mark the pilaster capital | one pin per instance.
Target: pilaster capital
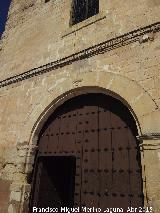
(149, 141)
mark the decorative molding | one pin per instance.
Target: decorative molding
(100, 48)
(149, 136)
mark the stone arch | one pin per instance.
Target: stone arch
(127, 90)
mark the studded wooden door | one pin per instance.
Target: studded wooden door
(100, 133)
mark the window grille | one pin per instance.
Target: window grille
(83, 9)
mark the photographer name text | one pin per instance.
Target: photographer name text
(92, 210)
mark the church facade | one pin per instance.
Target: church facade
(80, 105)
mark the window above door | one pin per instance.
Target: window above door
(83, 9)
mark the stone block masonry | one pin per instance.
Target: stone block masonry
(44, 61)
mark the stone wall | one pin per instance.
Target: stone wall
(38, 33)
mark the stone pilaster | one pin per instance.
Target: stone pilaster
(150, 148)
(20, 188)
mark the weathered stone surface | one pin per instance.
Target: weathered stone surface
(38, 33)
(15, 196)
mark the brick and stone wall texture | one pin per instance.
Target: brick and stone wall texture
(38, 33)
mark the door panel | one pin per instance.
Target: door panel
(90, 161)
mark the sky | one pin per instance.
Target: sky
(4, 6)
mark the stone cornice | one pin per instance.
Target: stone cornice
(142, 35)
(149, 136)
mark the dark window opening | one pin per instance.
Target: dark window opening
(83, 9)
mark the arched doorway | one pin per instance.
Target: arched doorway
(88, 156)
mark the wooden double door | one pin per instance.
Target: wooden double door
(88, 156)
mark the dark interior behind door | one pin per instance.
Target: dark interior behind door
(54, 184)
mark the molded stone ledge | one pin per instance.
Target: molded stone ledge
(150, 144)
(149, 136)
(25, 149)
(100, 16)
